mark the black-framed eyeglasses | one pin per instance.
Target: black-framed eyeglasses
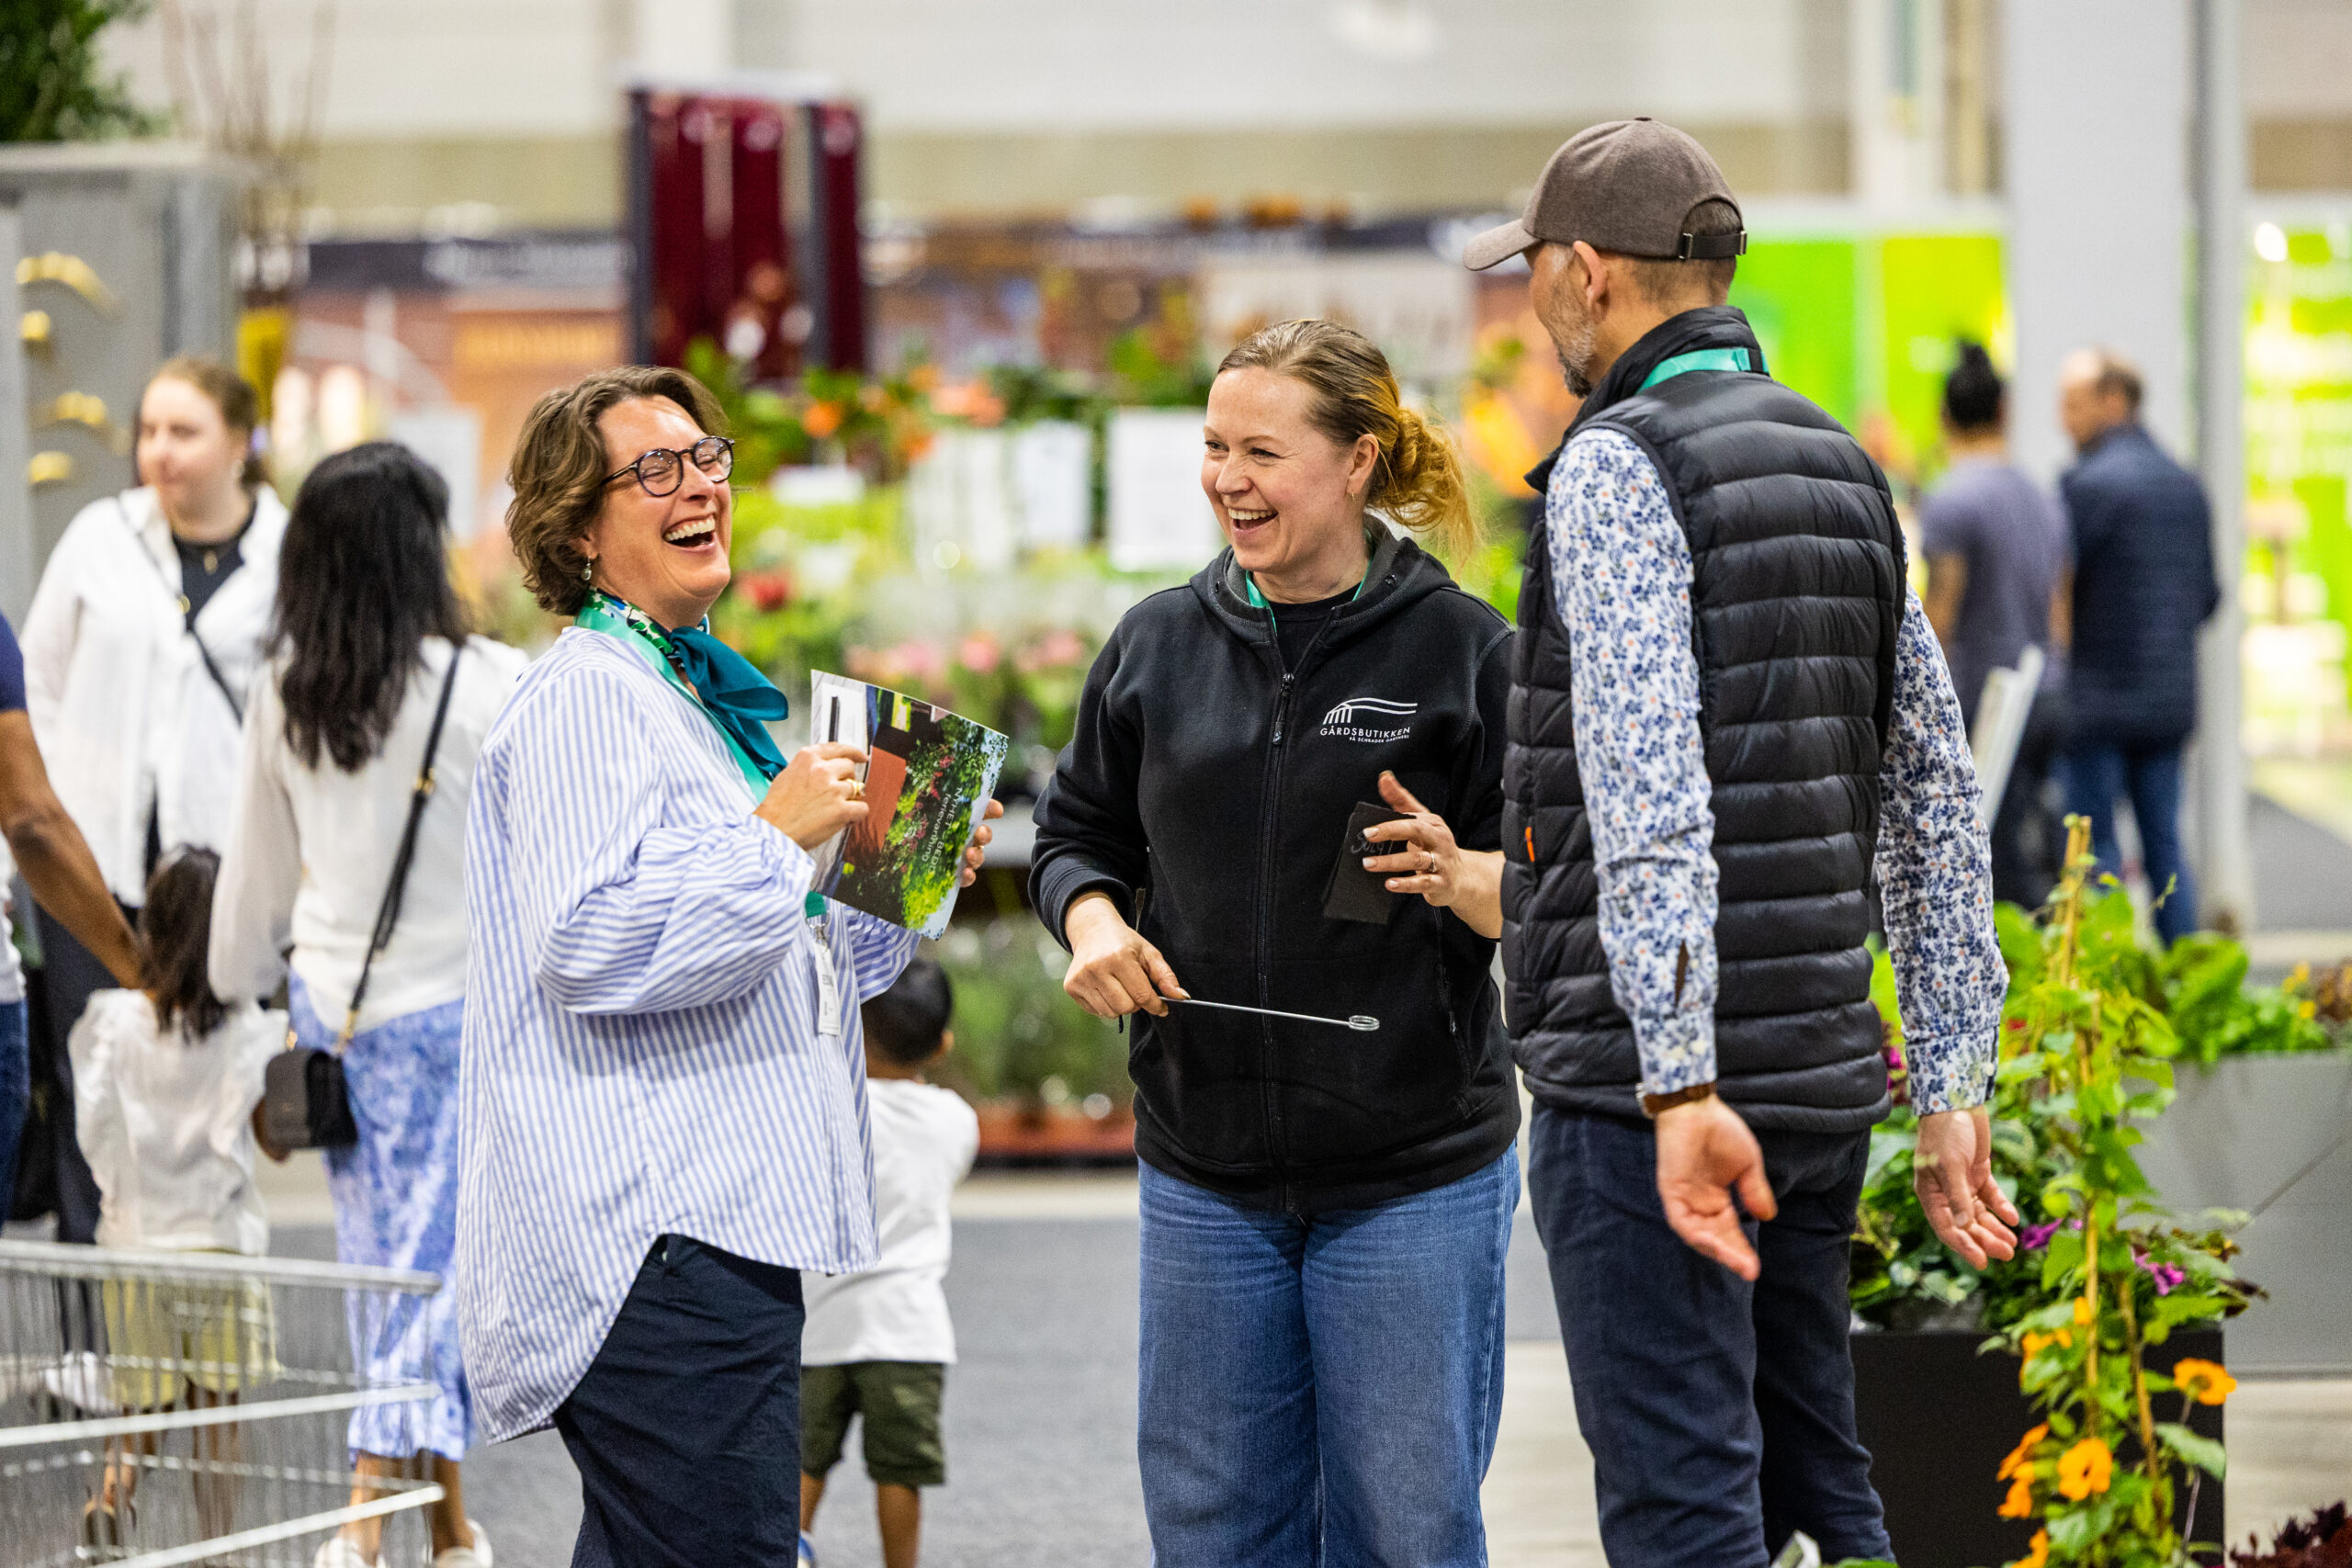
(662, 470)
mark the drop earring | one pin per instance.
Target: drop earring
(588, 572)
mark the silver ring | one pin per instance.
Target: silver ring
(1431, 856)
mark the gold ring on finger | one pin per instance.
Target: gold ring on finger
(857, 789)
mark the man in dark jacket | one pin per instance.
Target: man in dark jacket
(1727, 709)
(2143, 583)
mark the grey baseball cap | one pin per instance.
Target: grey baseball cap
(1628, 186)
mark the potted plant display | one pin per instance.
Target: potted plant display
(2108, 1314)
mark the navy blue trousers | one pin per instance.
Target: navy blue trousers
(1720, 1414)
(686, 1428)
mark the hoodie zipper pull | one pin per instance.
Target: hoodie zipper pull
(1281, 706)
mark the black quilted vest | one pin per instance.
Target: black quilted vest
(1797, 596)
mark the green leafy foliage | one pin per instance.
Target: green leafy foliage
(2216, 1014)
(52, 86)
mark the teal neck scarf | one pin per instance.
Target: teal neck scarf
(728, 686)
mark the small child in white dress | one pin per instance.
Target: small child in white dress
(165, 1080)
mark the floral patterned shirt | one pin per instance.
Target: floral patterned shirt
(1621, 568)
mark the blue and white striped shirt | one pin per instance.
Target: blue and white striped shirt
(641, 1052)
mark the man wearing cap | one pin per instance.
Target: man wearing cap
(1726, 710)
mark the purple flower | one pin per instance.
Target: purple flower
(2167, 1276)
(2033, 1238)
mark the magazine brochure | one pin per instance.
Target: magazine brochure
(930, 773)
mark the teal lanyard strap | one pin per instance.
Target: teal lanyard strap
(1736, 359)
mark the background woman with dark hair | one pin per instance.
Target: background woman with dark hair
(365, 629)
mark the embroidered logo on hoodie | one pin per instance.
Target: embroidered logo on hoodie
(1370, 719)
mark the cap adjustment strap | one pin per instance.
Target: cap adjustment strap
(1711, 247)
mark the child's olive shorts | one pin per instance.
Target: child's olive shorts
(900, 1403)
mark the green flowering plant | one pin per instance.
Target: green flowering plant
(2103, 1475)
(2195, 1006)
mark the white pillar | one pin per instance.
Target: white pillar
(683, 40)
(1895, 94)
(2225, 876)
(2096, 141)
(2102, 98)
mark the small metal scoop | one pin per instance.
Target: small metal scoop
(1362, 1022)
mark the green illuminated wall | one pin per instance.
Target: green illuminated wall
(1864, 325)
(1800, 298)
(2298, 400)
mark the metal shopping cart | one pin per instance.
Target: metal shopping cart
(166, 1407)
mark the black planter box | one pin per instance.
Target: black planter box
(1939, 1418)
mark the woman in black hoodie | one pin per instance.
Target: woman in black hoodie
(1325, 1210)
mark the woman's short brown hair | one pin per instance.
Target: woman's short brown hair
(558, 471)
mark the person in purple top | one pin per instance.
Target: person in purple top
(1996, 544)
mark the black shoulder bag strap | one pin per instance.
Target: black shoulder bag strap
(187, 615)
(388, 914)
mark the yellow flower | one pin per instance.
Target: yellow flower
(2033, 1343)
(2017, 1460)
(2040, 1556)
(2202, 1381)
(2084, 1469)
(2083, 1311)
(2018, 1504)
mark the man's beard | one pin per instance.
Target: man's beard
(1576, 354)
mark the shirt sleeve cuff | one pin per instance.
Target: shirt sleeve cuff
(1951, 1072)
(1677, 1051)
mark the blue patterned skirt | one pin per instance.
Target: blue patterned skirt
(396, 1207)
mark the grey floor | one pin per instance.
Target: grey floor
(2302, 871)
(1040, 1411)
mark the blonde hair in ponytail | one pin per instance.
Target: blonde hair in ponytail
(1418, 483)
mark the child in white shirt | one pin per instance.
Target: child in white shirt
(878, 1343)
(165, 1080)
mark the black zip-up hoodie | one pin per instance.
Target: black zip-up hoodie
(1208, 791)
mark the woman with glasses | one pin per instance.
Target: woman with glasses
(662, 1082)
(367, 633)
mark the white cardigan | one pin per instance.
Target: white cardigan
(312, 848)
(127, 718)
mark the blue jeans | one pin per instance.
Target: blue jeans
(15, 1093)
(1720, 1414)
(2097, 773)
(1322, 1391)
